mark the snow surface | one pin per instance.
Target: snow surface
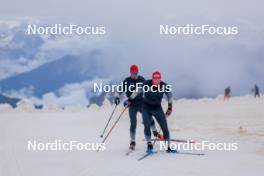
(239, 120)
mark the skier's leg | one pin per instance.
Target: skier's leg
(152, 123)
(146, 121)
(133, 122)
(161, 119)
(154, 129)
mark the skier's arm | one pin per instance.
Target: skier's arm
(135, 93)
(170, 101)
(118, 94)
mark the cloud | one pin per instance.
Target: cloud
(18, 56)
(24, 93)
(195, 65)
(73, 94)
(69, 94)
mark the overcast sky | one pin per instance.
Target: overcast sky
(196, 64)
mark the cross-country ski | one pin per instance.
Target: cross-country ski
(147, 155)
(175, 140)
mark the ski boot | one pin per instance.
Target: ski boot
(158, 135)
(149, 147)
(132, 145)
(169, 150)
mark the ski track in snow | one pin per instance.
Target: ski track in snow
(239, 120)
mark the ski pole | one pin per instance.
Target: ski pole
(108, 121)
(114, 124)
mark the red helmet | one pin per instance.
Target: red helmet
(156, 75)
(134, 69)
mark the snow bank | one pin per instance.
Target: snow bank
(25, 105)
(94, 107)
(74, 108)
(107, 103)
(51, 108)
(5, 108)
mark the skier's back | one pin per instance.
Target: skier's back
(256, 91)
(227, 93)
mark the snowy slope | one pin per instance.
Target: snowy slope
(239, 120)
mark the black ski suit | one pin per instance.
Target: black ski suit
(135, 106)
(152, 107)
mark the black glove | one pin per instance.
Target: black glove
(169, 110)
(117, 101)
(127, 103)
